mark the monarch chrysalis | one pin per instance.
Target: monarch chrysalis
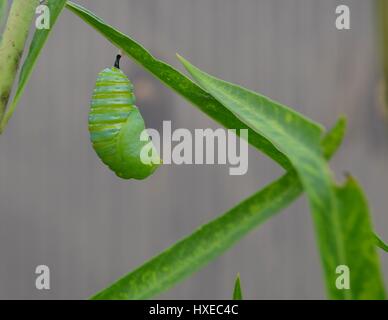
(115, 125)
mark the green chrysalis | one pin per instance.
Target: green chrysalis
(115, 126)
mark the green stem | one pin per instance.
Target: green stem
(12, 45)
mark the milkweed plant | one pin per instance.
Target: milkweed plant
(342, 223)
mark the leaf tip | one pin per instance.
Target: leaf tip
(237, 293)
(183, 60)
(350, 180)
(342, 122)
(380, 243)
(188, 66)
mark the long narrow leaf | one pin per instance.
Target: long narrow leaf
(178, 82)
(299, 139)
(211, 240)
(36, 47)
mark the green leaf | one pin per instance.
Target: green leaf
(211, 240)
(299, 139)
(366, 281)
(237, 292)
(36, 47)
(380, 243)
(178, 82)
(332, 140)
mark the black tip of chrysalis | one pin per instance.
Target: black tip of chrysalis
(117, 61)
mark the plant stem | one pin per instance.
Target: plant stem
(12, 45)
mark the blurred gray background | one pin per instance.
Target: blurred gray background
(61, 207)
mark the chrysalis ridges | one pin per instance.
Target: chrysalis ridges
(115, 126)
